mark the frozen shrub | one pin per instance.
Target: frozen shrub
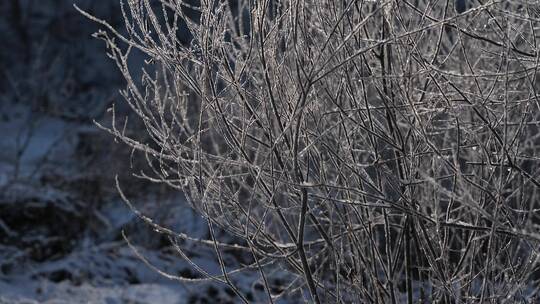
(374, 151)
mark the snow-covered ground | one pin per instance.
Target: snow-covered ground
(62, 243)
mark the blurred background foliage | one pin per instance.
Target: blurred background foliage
(60, 215)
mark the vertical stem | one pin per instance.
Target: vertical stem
(408, 267)
(386, 62)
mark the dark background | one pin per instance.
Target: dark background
(61, 218)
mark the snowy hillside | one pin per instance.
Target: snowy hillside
(61, 219)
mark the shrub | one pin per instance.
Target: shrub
(374, 151)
